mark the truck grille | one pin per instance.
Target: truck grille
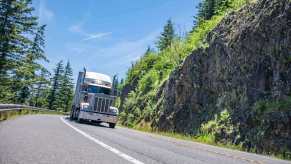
(103, 102)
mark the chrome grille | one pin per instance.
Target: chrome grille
(103, 103)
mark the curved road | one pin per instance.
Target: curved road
(54, 139)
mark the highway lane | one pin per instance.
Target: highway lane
(49, 139)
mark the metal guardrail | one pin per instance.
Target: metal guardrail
(7, 107)
(15, 107)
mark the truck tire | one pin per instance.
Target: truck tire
(72, 113)
(77, 116)
(79, 120)
(112, 125)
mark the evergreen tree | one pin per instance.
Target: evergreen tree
(40, 90)
(221, 5)
(55, 88)
(16, 26)
(208, 8)
(25, 75)
(167, 36)
(40, 80)
(65, 95)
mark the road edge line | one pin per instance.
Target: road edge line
(115, 151)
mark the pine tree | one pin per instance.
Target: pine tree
(56, 81)
(167, 36)
(208, 8)
(65, 95)
(25, 75)
(21, 45)
(37, 50)
(16, 26)
(40, 81)
(40, 92)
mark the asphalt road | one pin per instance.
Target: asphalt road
(50, 139)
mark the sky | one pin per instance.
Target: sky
(106, 36)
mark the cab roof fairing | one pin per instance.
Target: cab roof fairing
(98, 76)
(98, 79)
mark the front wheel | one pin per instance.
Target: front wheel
(72, 115)
(78, 116)
(112, 125)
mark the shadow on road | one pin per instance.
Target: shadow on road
(90, 123)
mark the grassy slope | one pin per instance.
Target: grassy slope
(153, 70)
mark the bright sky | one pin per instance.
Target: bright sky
(107, 35)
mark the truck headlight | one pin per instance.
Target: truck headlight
(113, 110)
(84, 106)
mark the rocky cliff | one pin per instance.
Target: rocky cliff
(239, 87)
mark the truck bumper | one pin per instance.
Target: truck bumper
(86, 115)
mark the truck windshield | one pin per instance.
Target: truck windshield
(96, 89)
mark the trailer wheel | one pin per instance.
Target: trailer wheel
(112, 125)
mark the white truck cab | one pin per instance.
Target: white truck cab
(93, 100)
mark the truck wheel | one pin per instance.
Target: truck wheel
(112, 125)
(79, 120)
(76, 114)
(72, 115)
(77, 117)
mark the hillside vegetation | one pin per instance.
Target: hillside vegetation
(149, 73)
(227, 81)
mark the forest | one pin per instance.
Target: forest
(23, 77)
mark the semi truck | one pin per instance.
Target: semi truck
(93, 100)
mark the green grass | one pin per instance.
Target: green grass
(5, 115)
(205, 139)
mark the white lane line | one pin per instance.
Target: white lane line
(117, 152)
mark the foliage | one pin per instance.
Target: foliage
(220, 128)
(265, 106)
(23, 79)
(61, 92)
(56, 81)
(5, 115)
(40, 90)
(65, 94)
(141, 67)
(21, 49)
(149, 73)
(167, 36)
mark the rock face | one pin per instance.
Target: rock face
(246, 72)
